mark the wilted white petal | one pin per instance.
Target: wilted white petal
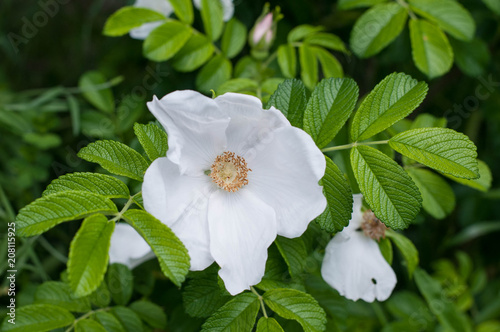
(128, 247)
(242, 227)
(285, 175)
(195, 126)
(163, 7)
(180, 202)
(251, 126)
(227, 8)
(355, 267)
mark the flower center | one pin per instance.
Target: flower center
(373, 227)
(229, 171)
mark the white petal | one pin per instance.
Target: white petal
(144, 30)
(251, 126)
(242, 227)
(161, 6)
(355, 267)
(285, 175)
(180, 202)
(195, 126)
(128, 247)
(227, 7)
(356, 216)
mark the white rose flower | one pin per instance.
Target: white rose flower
(165, 8)
(234, 177)
(353, 263)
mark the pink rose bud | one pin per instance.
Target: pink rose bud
(263, 28)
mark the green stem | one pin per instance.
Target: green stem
(351, 145)
(270, 59)
(6, 204)
(379, 313)
(261, 300)
(88, 314)
(125, 208)
(53, 251)
(407, 7)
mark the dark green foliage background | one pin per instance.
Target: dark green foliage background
(72, 43)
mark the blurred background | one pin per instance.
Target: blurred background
(45, 120)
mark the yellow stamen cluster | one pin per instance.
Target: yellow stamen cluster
(230, 171)
(373, 227)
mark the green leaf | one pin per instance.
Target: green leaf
(183, 9)
(42, 141)
(406, 305)
(329, 107)
(150, 313)
(128, 319)
(377, 28)
(297, 305)
(87, 325)
(449, 15)
(389, 191)
(110, 322)
(350, 4)
(234, 38)
(101, 184)
(308, 66)
(88, 254)
(214, 73)
(294, 253)
(473, 232)
(202, 295)
(197, 50)
(101, 297)
(290, 99)
(302, 31)
(330, 66)
(242, 85)
(101, 98)
(116, 158)
(166, 40)
(471, 57)
(427, 120)
(131, 107)
(431, 49)
(338, 197)
(128, 18)
(443, 149)
(287, 60)
(51, 210)
(74, 110)
(391, 100)
(171, 253)
(211, 15)
(59, 294)
(438, 198)
(494, 5)
(153, 139)
(385, 246)
(483, 183)
(120, 283)
(239, 314)
(328, 40)
(268, 325)
(446, 312)
(406, 248)
(38, 317)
